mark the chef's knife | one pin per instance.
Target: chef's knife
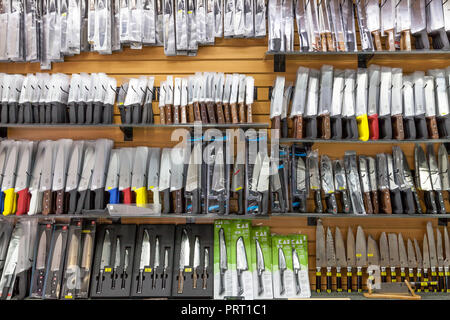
(164, 179)
(196, 261)
(126, 162)
(282, 268)
(351, 258)
(435, 179)
(341, 260)
(424, 179)
(331, 258)
(361, 255)
(328, 187)
(105, 260)
(321, 256)
(184, 261)
(112, 179)
(144, 259)
(223, 260)
(116, 265)
(55, 266)
(139, 176)
(260, 267)
(365, 183)
(403, 257)
(433, 254)
(156, 262)
(396, 196)
(384, 256)
(241, 264)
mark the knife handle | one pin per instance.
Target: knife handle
(390, 42)
(276, 123)
(330, 200)
(323, 43)
(234, 115)
(447, 281)
(363, 127)
(408, 202)
(114, 197)
(346, 205)
(325, 126)
(241, 113)
(318, 281)
(367, 202)
(168, 111)
(443, 124)
(166, 200)
(162, 116)
(204, 112)
(89, 112)
(311, 127)
(226, 112)
(99, 196)
(336, 127)
(359, 280)
(59, 206)
(385, 126)
(108, 113)
(97, 113)
(330, 42)
(178, 195)
(141, 196)
(402, 275)
(205, 278)
(405, 42)
(128, 114)
(284, 128)
(410, 128)
(329, 283)
(195, 202)
(176, 114)
(9, 202)
(377, 40)
(374, 131)
(25, 113)
(264, 206)
(41, 108)
(375, 205)
(190, 113)
(222, 282)
(417, 202)
(249, 113)
(211, 112)
(303, 201)
(433, 132)
(194, 278)
(55, 284)
(39, 284)
(397, 126)
(136, 116)
(180, 281)
(393, 275)
(23, 201)
(35, 202)
(140, 281)
(425, 279)
(282, 286)
(349, 280)
(81, 200)
(441, 284)
(338, 281)
(434, 280)
(240, 196)
(440, 202)
(35, 113)
(124, 277)
(386, 205)
(396, 201)
(100, 282)
(113, 280)
(183, 114)
(421, 127)
(430, 201)
(47, 113)
(72, 113)
(197, 115)
(318, 201)
(71, 200)
(127, 196)
(47, 202)
(220, 115)
(13, 112)
(298, 127)
(351, 128)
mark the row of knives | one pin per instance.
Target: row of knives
(425, 268)
(329, 25)
(373, 103)
(205, 97)
(47, 30)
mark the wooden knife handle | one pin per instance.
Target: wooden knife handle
(205, 279)
(405, 43)
(162, 116)
(276, 123)
(183, 114)
(249, 113)
(234, 115)
(59, 207)
(386, 201)
(241, 113)
(220, 115)
(377, 40)
(390, 43)
(180, 282)
(194, 278)
(176, 114)
(323, 42)
(325, 126)
(178, 196)
(298, 127)
(203, 112)
(341, 42)
(375, 205)
(197, 115)
(190, 113)
(397, 125)
(168, 110)
(432, 127)
(211, 112)
(226, 111)
(367, 202)
(47, 202)
(330, 42)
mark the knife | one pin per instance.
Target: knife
(73, 177)
(397, 103)
(384, 114)
(218, 95)
(384, 256)
(112, 179)
(125, 267)
(177, 178)
(325, 98)
(419, 263)
(436, 24)
(282, 268)
(410, 182)
(166, 266)
(403, 257)
(22, 179)
(196, 261)
(168, 105)
(85, 180)
(205, 268)
(373, 101)
(185, 252)
(430, 107)
(314, 182)
(324, 26)
(144, 259)
(365, 183)
(372, 11)
(184, 100)
(403, 23)
(276, 103)
(412, 261)
(331, 258)
(396, 196)
(296, 267)
(260, 267)
(55, 267)
(60, 175)
(350, 125)
(126, 161)
(436, 179)
(433, 254)
(209, 96)
(321, 255)
(361, 104)
(364, 33)
(241, 264)
(263, 186)
(285, 106)
(8, 183)
(237, 181)
(116, 263)
(278, 201)
(223, 260)
(351, 258)
(424, 179)
(447, 260)
(10, 267)
(312, 101)
(440, 260)
(408, 112)
(400, 178)
(426, 261)
(162, 102)
(442, 117)
(202, 96)
(373, 175)
(176, 99)
(353, 181)
(192, 188)
(326, 172)
(298, 179)
(153, 173)
(388, 22)
(156, 262)
(419, 100)
(419, 24)
(249, 97)
(139, 176)
(41, 259)
(217, 189)
(164, 178)
(102, 152)
(226, 97)
(341, 260)
(105, 260)
(361, 255)
(373, 256)
(241, 98)
(299, 101)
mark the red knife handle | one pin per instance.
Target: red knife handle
(59, 207)
(23, 201)
(47, 202)
(373, 127)
(127, 196)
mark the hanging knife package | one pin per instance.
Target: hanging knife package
(55, 262)
(298, 178)
(77, 271)
(153, 261)
(222, 258)
(279, 198)
(41, 252)
(112, 274)
(193, 261)
(300, 265)
(261, 244)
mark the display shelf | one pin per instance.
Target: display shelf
(293, 140)
(359, 296)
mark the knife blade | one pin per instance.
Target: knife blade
(340, 183)
(373, 256)
(55, 266)
(314, 183)
(105, 259)
(184, 259)
(153, 173)
(351, 258)
(321, 260)
(424, 179)
(116, 264)
(394, 259)
(388, 23)
(341, 260)
(326, 172)
(237, 181)
(86, 177)
(60, 175)
(218, 182)
(384, 256)
(361, 255)
(282, 268)
(432, 253)
(260, 267)
(164, 178)
(139, 176)
(73, 177)
(331, 258)
(443, 168)
(403, 257)
(447, 260)
(403, 179)
(440, 260)
(205, 268)
(177, 178)
(396, 197)
(144, 259)
(365, 183)
(223, 260)
(296, 267)
(156, 262)
(72, 265)
(241, 264)
(435, 179)
(403, 23)
(126, 162)
(412, 261)
(373, 22)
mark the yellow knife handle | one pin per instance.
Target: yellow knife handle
(9, 202)
(363, 127)
(141, 196)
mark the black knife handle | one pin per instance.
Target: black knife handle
(336, 127)
(240, 200)
(39, 283)
(410, 276)
(99, 202)
(41, 113)
(260, 285)
(402, 276)
(417, 202)
(443, 123)
(410, 128)
(408, 202)
(284, 128)
(303, 201)
(166, 200)
(359, 280)
(55, 285)
(434, 280)
(124, 277)
(113, 280)
(13, 112)
(136, 116)
(311, 127)
(240, 286)
(338, 281)
(48, 113)
(35, 113)
(264, 206)
(140, 281)
(178, 195)
(89, 112)
(318, 201)
(127, 113)
(72, 113)
(425, 279)
(81, 200)
(318, 281)
(393, 275)
(100, 282)
(145, 116)
(440, 202)
(441, 281)
(71, 200)
(4, 113)
(346, 205)
(97, 113)
(282, 286)
(349, 281)
(421, 127)
(396, 201)
(195, 201)
(330, 200)
(418, 279)
(108, 114)
(385, 125)
(122, 114)
(430, 201)
(383, 275)
(329, 282)
(351, 128)
(81, 113)
(447, 281)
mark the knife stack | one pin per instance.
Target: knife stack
(388, 260)
(375, 103)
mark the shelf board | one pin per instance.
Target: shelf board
(358, 53)
(359, 296)
(121, 125)
(292, 140)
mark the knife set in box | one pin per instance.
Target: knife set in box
(193, 261)
(290, 266)
(112, 274)
(153, 261)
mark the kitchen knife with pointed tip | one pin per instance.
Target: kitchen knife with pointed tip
(223, 260)
(8, 183)
(116, 265)
(164, 179)
(331, 258)
(341, 259)
(144, 260)
(435, 179)
(217, 193)
(112, 179)
(105, 260)
(22, 179)
(184, 259)
(260, 267)
(165, 267)
(241, 264)
(73, 177)
(396, 196)
(340, 182)
(72, 273)
(403, 257)
(282, 268)
(351, 258)
(296, 269)
(426, 261)
(60, 175)
(361, 255)
(321, 256)
(86, 260)
(365, 183)
(177, 178)
(394, 258)
(404, 182)
(125, 267)
(41, 260)
(419, 263)
(373, 255)
(196, 261)
(424, 179)
(412, 261)
(433, 254)
(126, 162)
(298, 178)
(205, 268)
(55, 266)
(156, 262)
(192, 188)
(237, 180)
(447, 260)
(384, 256)
(209, 98)
(314, 180)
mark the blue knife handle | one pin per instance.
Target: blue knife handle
(440, 202)
(385, 126)
(89, 112)
(408, 202)
(311, 127)
(410, 128)
(396, 201)
(2, 203)
(444, 126)
(421, 127)
(430, 201)
(336, 127)
(114, 196)
(81, 108)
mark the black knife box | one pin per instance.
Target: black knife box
(122, 287)
(206, 235)
(150, 289)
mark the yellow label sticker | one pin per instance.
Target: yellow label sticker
(411, 275)
(441, 274)
(68, 297)
(108, 270)
(338, 274)
(187, 269)
(147, 269)
(238, 188)
(359, 273)
(358, 255)
(328, 274)
(64, 14)
(190, 12)
(403, 274)
(349, 274)
(433, 273)
(339, 290)
(370, 254)
(383, 273)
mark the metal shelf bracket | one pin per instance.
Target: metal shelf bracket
(442, 222)
(312, 221)
(363, 59)
(127, 133)
(279, 63)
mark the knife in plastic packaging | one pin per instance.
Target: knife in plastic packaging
(430, 107)
(384, 114)
(340, 183)
(328, 186)
(325, 99)
(361, 104)
(397, 104)
(353, 182)
(312, 103)
(365, 184)
(314, 179)
(349, 123)
(396, 196)
(299, 101)
(388, 23)
(383, 183)
(336, 104)
(164, 178)
(408, 111)
(400, 176)
(435, 177)
(424, 179)
(419, 105)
